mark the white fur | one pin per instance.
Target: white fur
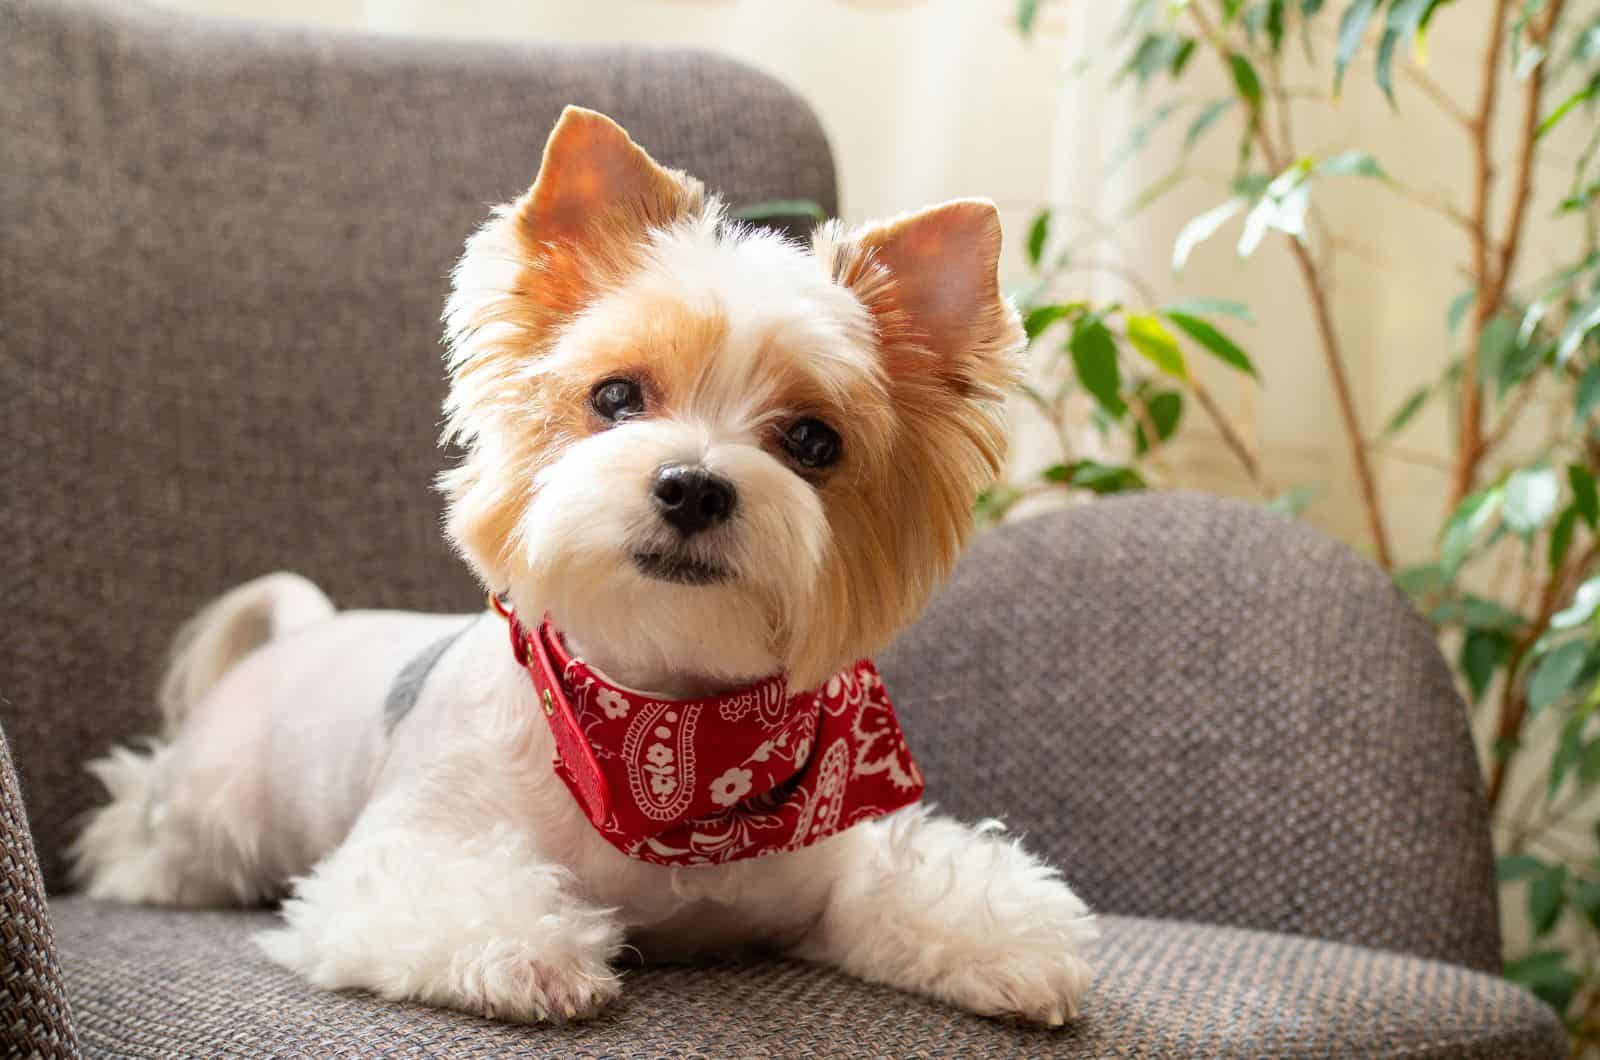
(446, 862)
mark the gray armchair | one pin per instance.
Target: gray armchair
(224, 250)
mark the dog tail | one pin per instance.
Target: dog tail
(229, 628)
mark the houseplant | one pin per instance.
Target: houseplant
(1512, 578)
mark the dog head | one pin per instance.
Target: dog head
(704, 448)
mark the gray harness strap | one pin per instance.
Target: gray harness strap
(412, 676)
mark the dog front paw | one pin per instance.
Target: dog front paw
(1028, 958)
(511, 980)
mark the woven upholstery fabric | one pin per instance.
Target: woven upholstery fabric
(151, 983)
(225, 253)
(1204, 711)
(35, 1019)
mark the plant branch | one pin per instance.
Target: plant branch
(1529, 138)
(1449, 211)
(1513, 700)
(1469, 444)
(1433, 91)
(1333, 353)
(1492, 272)
(1508, 419)
(1231, 437)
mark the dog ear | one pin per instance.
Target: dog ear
(931, 281)
(595, 185)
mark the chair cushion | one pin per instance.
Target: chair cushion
(155, 983)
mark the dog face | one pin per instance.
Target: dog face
(707, 449)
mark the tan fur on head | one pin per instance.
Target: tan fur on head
(576, 233)
(611, 266)
(949, 343)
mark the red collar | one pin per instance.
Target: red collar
(703, 781)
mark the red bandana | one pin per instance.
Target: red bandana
(703, 781)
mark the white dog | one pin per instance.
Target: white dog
(724, 467)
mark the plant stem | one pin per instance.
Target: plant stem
(1333, 353)
(1513, 698)
(1231, 437)
(1493, 276)
(1469, 444)
(1433, 91)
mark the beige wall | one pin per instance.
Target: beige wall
(931, 99)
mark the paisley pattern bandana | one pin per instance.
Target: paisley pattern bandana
(706, 781)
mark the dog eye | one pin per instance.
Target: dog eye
(617, 400)
(812, 443)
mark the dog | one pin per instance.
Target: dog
(707, 470)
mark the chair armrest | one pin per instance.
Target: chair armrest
(1205, 711)
(34, 1017)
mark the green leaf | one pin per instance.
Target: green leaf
(1141, 134)
(1407, 410)
(1209, 115)
(1587, 894)
(1157, 344)
(1561, 538)
(1214, 341)
(1094, 357)
(1352, 24)
(1495, 345)
(1202, 228)
(779, 208)
(1155, 190)
(1097, 477)
(1547, 897)
(1569, 752)
(1582, 321)
(1348, 163)
(1481, 654)
(1584, 496)
(1585, 600)
(1282, 206)
(1556, 674)
(1027, 15)
(1038, 233)
(994, 504)
(1512, 867)
(1041, 317)
(1405, 17)
(1461, 530)
(1211, 307)
(1458, 309)
(1486, 615)
(1421, 579)
(1155, 52)
(1527, 62)
(1165, 409)
(1531, 496)
(1245, 79)
(1545, 974)
(1181, 57)
(1294, 500)
(1554, 117)
(1384, 66)
(1588, 393)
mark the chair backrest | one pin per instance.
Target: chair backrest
(224, 253)
(1205, 711)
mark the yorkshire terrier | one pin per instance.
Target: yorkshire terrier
(707, 471)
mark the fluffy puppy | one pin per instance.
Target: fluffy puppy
(708, 455)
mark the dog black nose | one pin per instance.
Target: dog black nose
(691, 498)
